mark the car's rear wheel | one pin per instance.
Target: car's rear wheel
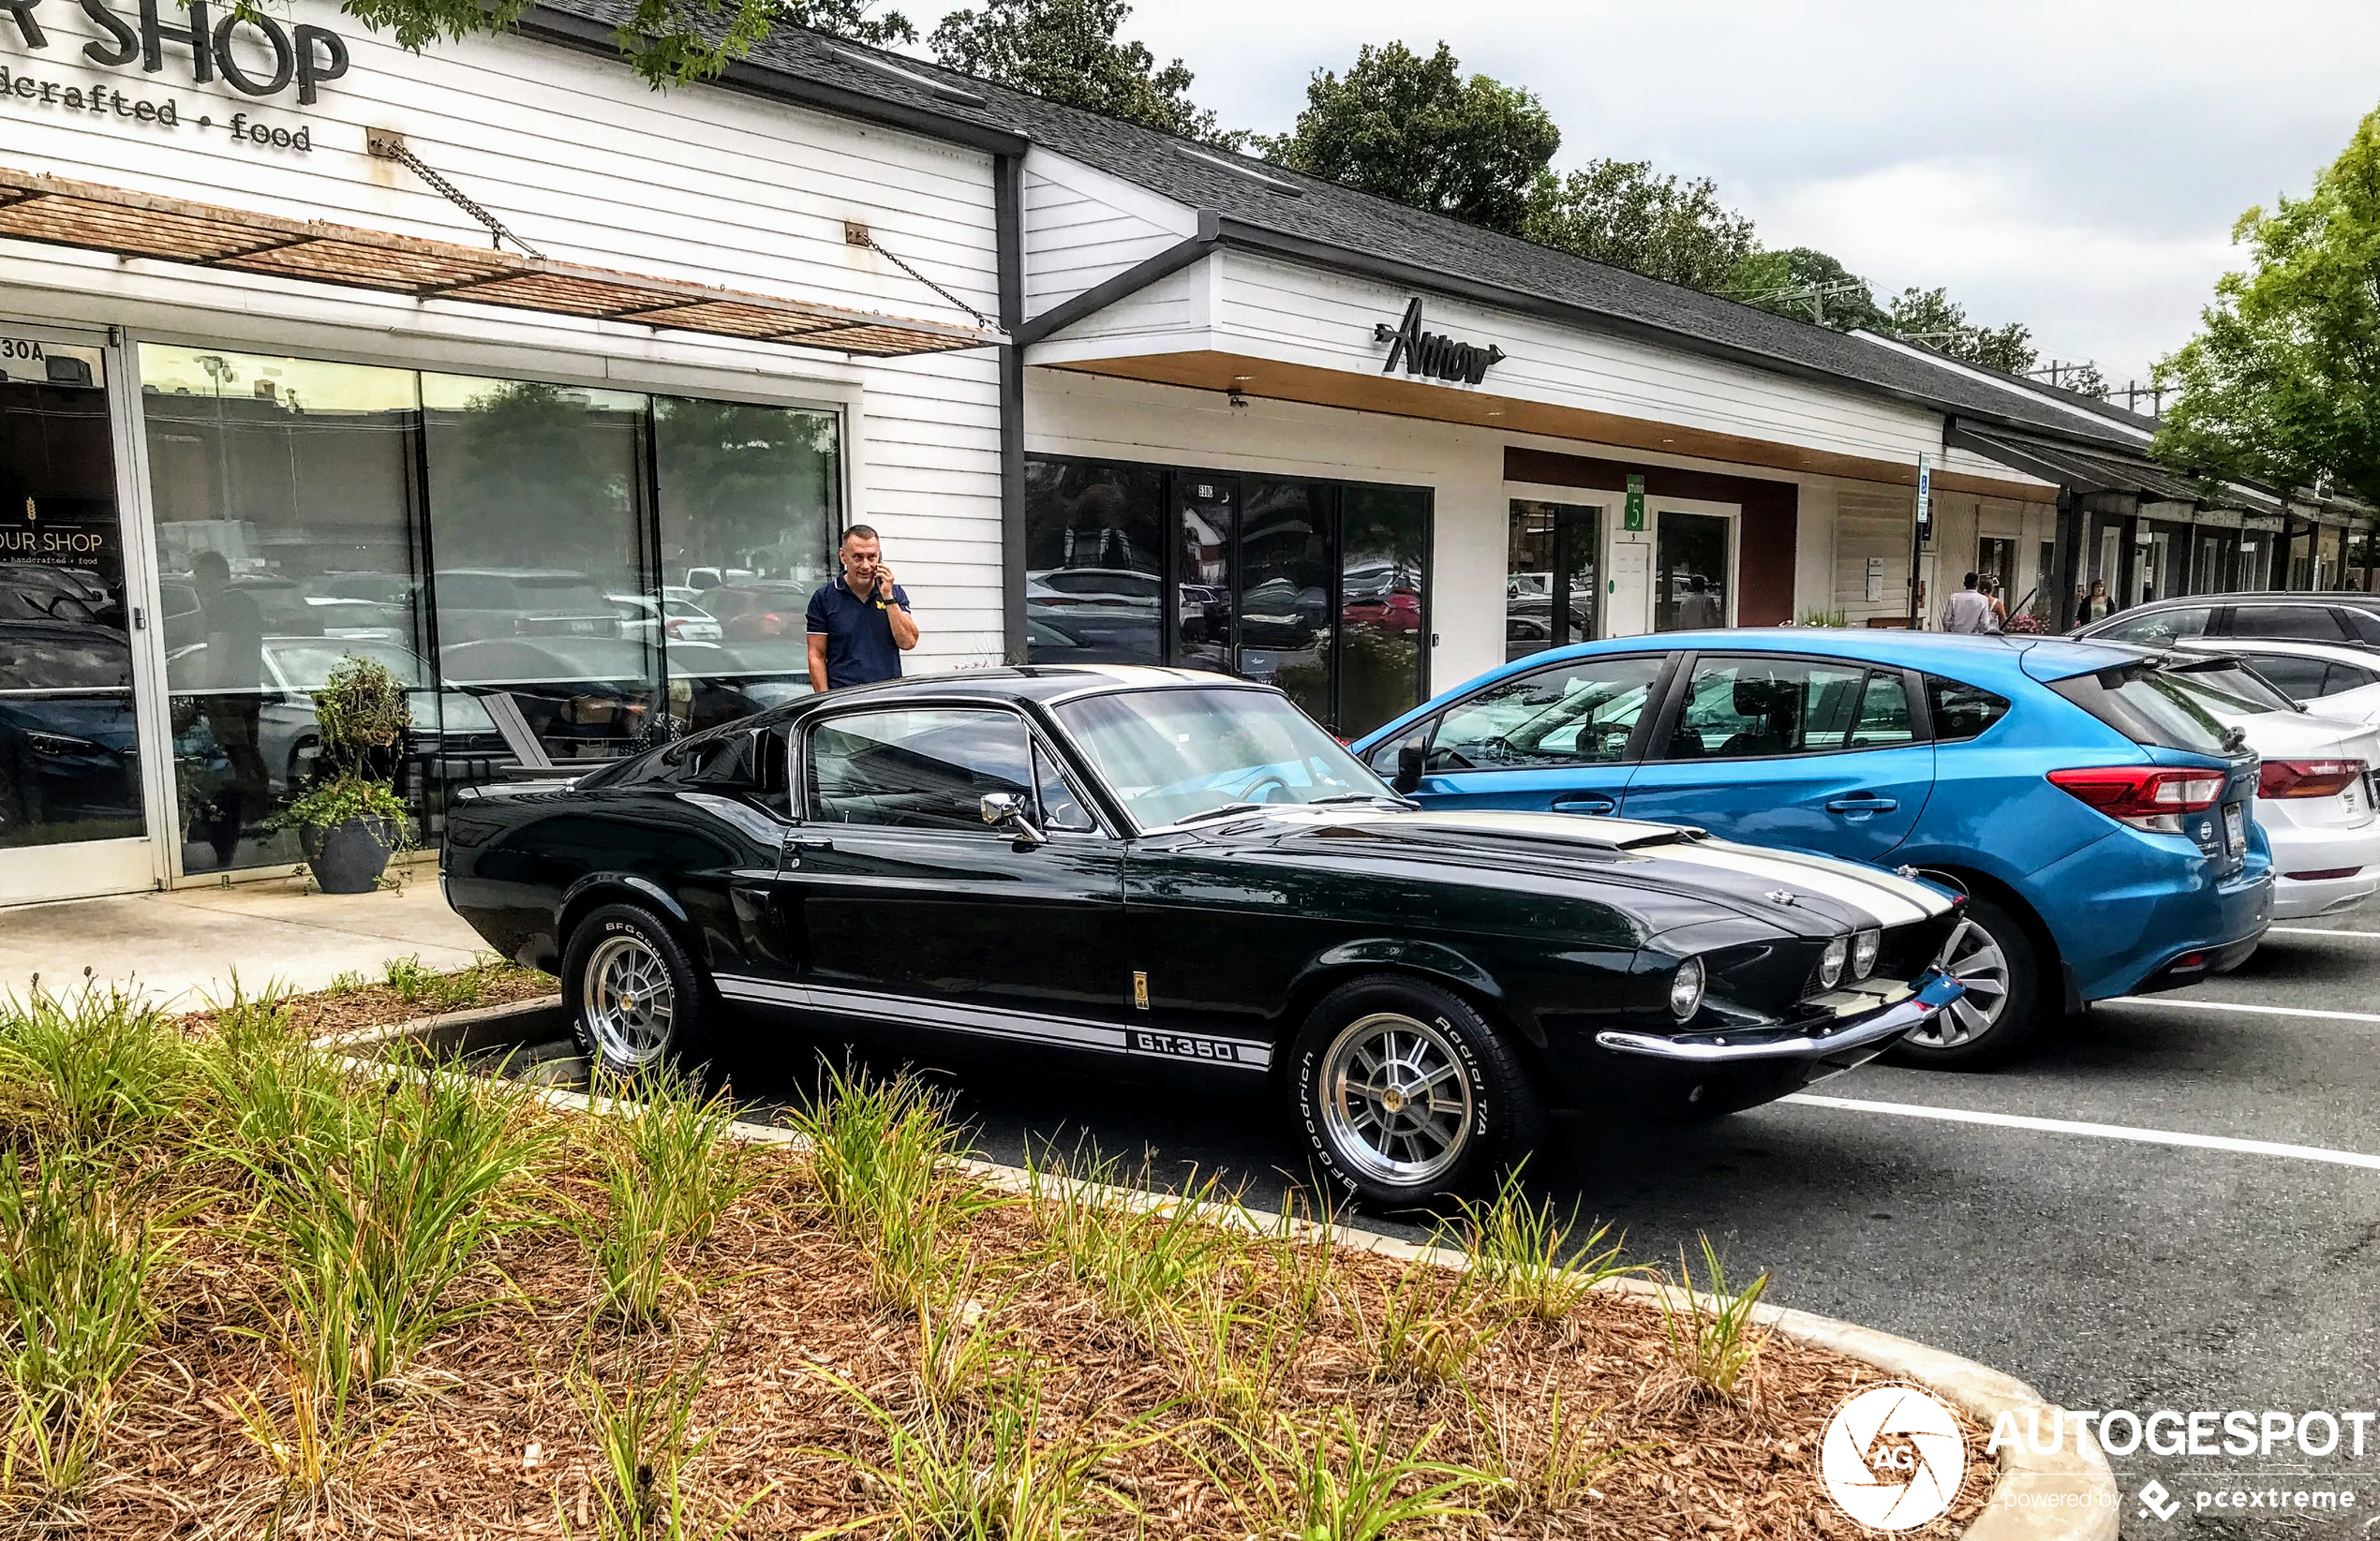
(1991, 954)
(1405, 1092)
(639, 1006)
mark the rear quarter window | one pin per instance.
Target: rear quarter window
(1961, 711)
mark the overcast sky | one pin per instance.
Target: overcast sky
(2075, 165)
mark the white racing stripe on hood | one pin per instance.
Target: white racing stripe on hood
(1928, 899)
(1836, 881)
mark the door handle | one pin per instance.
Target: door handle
(796, 846)
(1862, 803)
(1585, 801)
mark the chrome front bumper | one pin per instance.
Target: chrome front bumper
(1865, 1036)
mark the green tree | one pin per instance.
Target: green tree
(1067, 52)
(1622, 211)
(1932, 318)
(2282, 382)
(1808, 285)
(1419, 131)
(665, 41)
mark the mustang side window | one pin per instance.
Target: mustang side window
(1579, 713)
(926, 768)
(1060, 808)
(1741, 708)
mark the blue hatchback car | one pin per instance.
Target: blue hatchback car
(2098, 818)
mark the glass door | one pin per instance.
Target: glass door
(72, 818)
(1690, 588)
(1550, 583)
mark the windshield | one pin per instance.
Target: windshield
(1170, 755)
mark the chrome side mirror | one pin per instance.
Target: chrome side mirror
(1006, 810)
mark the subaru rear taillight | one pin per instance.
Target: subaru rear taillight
(2307, 777)
(2148, 797)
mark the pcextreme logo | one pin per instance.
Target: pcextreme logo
(1892, 1457)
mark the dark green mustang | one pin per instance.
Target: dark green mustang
(1143, 870)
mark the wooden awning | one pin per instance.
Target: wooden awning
(65, 213)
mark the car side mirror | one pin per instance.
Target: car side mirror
(1412, 760)
(1006, 810)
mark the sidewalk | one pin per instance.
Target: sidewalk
(182, 946)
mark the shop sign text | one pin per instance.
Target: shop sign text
(276, 58)
(1429, 353)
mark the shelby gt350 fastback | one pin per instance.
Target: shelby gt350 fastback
(1137, 870)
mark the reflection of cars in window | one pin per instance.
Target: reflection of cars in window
(1068, 587)
(1115, 870)
(476, 603)
(69, 749)
(755, 611)
(679, 620)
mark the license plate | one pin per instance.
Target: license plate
(2235, 829)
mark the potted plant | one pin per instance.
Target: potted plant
(350, 820)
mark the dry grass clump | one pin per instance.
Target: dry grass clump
(247, 1292)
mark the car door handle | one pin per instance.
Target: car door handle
(1862, 803)
(797, 846)
(1586, 802)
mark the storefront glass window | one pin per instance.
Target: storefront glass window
(285, 492)
(1288, 563)
(1383, 610)
(750, 501)
(69, 759)
(309, 512)
(538, 534)
(1319, 587)
(1095, 562)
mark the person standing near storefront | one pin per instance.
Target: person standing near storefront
(860, 623)
(1969, 610)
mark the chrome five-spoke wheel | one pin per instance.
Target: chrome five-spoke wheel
(1395, 1099)
(627, 1001)
(1975, 958)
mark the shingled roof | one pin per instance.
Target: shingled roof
(1355, 227)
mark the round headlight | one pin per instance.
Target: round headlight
(1830, 963)
(1865, 947)
(1686, 989)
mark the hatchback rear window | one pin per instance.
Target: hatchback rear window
(2141, 702)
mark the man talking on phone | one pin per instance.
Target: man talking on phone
(860, 623)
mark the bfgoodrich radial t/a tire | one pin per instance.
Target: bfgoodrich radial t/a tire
(1992, 954)
(637, 1002)
(1404, 1093)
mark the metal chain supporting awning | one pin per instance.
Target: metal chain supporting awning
(60, 212)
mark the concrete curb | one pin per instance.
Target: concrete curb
(2068, 1496)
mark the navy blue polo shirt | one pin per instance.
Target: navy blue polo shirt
(860, 649)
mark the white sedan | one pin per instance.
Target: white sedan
(2314, 792)
(2330, 677)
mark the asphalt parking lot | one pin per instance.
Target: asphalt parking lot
(2175, 1204)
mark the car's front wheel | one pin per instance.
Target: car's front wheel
(1405, 1092)
(1992, 954)
(638, 1004)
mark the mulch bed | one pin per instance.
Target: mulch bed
(320, 1014)
(494, 1442)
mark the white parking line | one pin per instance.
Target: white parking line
(2315, 932)
(2094, 1130)
(2236, 1006)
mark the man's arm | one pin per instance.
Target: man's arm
(904, 625)
(818, 662)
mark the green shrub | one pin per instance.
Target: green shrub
(82, 1069)
(668, 1176)
(80, 1266)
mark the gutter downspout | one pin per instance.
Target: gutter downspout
(1007, 191)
